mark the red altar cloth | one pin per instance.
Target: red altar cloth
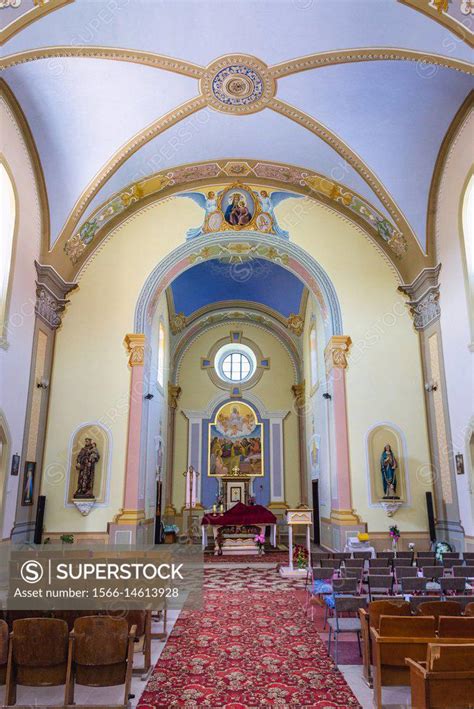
(241, 515)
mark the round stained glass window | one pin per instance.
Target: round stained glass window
(235, 363)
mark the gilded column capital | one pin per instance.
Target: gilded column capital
(336, 351)
(299, 392)
(174, 393)
(135, 343)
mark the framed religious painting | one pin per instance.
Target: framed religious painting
(28, 484)
(459, 463)
(236, 441)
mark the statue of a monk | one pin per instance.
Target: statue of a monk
(388, 467)
(85, 465)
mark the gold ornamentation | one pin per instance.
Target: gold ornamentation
(336, 351)
(331, 189)
(131, 517)
(174, 393)
(237, 169)
(299, 392)
(237, 83)
(178, 323)
(295, 323)
(345, 517)
(135, 343)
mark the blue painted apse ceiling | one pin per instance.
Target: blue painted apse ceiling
(257, 281)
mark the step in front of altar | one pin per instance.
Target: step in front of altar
(239, 544)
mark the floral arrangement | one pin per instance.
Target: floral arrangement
(300, 556)
(67, 538)
(259, 540)
(394, 532)
(169, 528)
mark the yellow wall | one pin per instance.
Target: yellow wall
(91, 377)
(273, 389)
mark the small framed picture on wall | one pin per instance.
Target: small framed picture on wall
(28, 484)
(15, 469)
(459, 463)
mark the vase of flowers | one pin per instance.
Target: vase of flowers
(300, 557)
(260, 542)
(395, 535)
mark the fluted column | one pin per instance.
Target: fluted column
(174, 393)
(425, 309)
(125, 527)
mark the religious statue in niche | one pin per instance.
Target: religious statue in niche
(388, 468)
(86, 461)
(238, 207)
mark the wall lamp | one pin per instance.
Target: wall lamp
(42, 383)
(326, 395)
(148, 397)
(431, 386)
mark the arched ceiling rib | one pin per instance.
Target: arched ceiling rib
(93, 132)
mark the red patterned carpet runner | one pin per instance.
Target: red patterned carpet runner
(246, 648)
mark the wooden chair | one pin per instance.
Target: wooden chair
(404, 555)
(70, 617)
(406, 572)
(451, 586)
(403, 562)
(37, 655)
(354, 564)
(100, 655)
(464, 601)
(381, 563)
(449, 563)
(337, 625)
(370, 618)
(396, 639)
(432, 573)
(451, 555)
(426, 555)
(363, 555)
(445, 680)
(4, 637)
(468, 556)
(379, 584)
(416, 601)
(386, 555)
(341, 555)
(318, 555)
(413, 585)
(456, 627)
(439, 608)
(141, 619)
(466, 571)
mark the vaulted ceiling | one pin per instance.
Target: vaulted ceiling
(371, 112)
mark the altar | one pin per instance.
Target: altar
(234, 531)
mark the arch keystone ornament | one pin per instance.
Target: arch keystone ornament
(237, 83)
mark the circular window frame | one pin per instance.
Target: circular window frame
(230, 349)
(232, 346)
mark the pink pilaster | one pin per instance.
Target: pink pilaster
(342, 513)
(132, 515)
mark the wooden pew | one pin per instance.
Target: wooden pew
(445, 680)
(371, 618)
(398, 637)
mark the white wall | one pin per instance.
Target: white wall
(455, 323)
(15, 357)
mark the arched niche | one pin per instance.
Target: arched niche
(377, 438)
(102, 438)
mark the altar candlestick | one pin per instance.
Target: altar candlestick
(214, 509)
(222, 509)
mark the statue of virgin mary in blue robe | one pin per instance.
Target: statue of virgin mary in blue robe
(388, 467)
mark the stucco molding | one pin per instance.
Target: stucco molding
(25, 19)
(423, 295)
(437, 10)
(51, 291)
(195, 251)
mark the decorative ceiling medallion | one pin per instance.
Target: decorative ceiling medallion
(237, 84)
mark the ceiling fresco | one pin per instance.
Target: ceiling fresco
(115, 91)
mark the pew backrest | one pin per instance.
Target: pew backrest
(456, 627)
